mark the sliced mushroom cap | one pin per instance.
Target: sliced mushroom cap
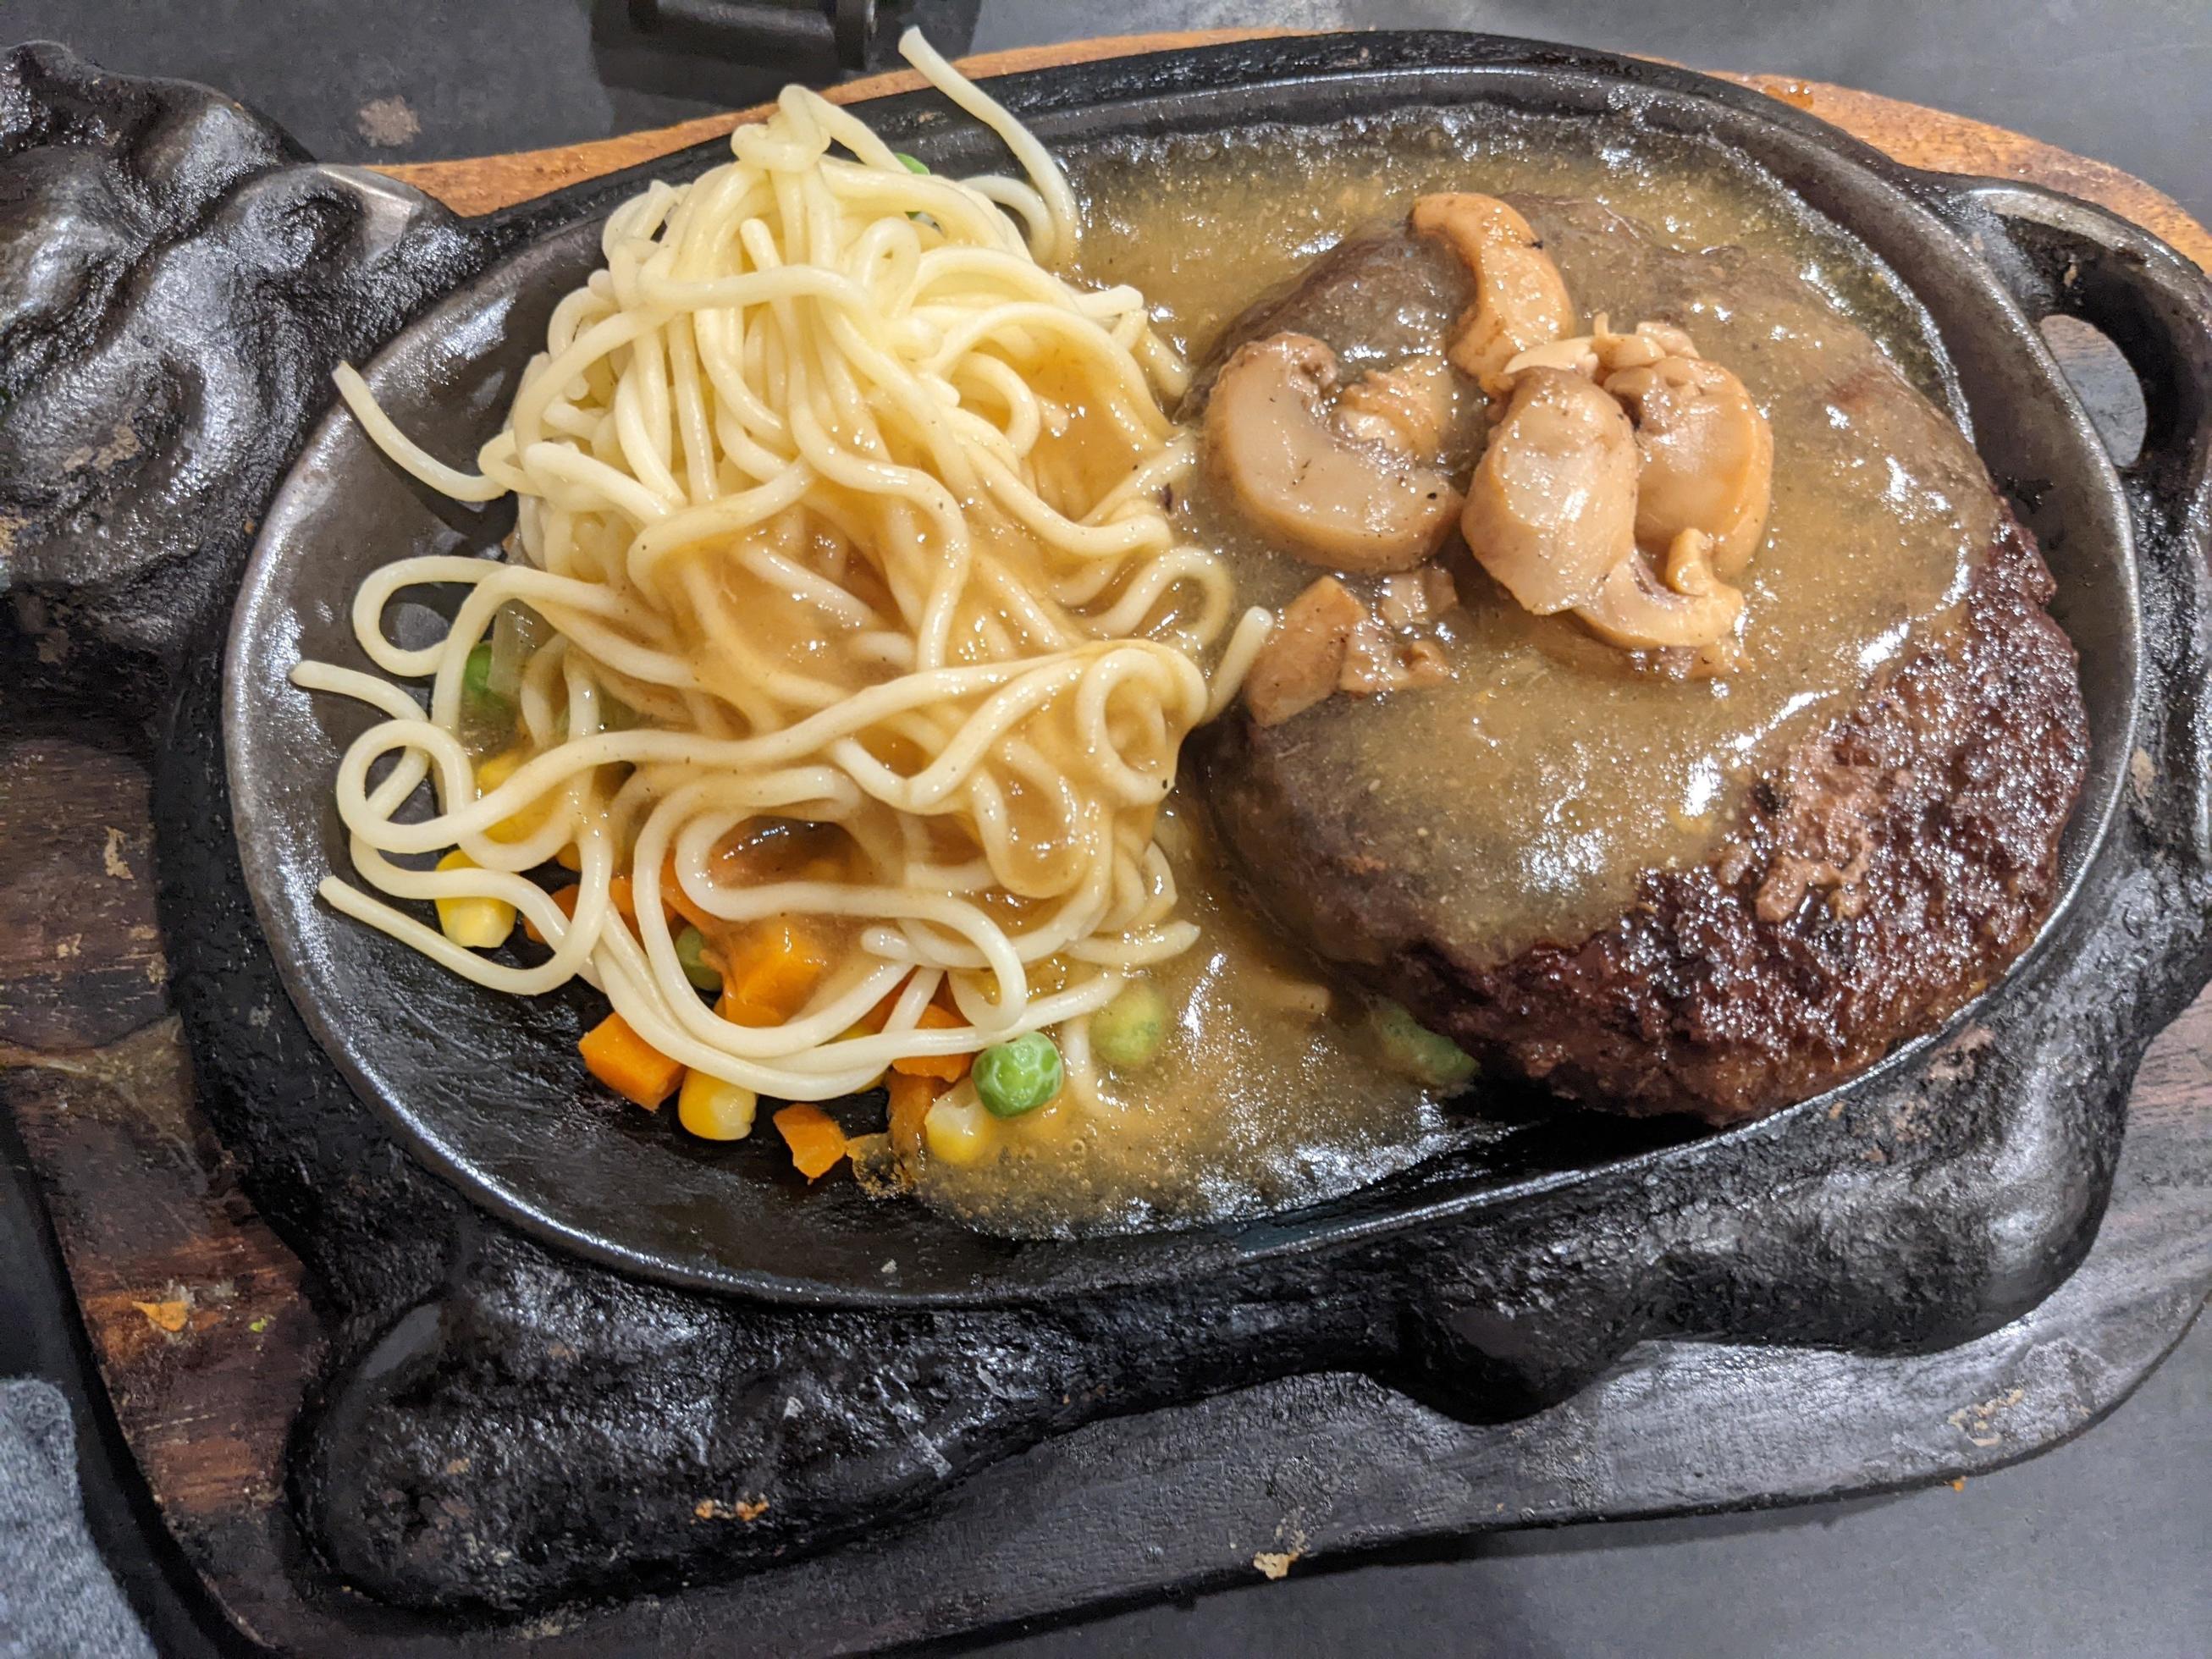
(1649, 341)
(1708, 457)
(1692, 606)
(1413, 599)
(1303, 658)
(1361, 500)
(1519, 300)
(1600, 352)
(1550, 511)
(1408, 406)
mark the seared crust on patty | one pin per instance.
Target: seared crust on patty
(1886, 872)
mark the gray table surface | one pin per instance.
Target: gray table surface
(2103, 1545)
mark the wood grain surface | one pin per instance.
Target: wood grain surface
(484, 183)
(206, 1341)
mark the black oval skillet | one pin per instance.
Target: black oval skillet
(488, 1091)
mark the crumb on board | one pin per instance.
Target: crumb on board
(1273, 1563)
(1980, 1422)
(747, 1510)
(388, 122)
(168, 1315)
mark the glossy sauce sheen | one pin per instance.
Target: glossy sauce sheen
(1256, 1103)
(1532, 792)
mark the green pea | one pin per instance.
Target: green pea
(1018, 1077)
(475, 685)
(912, 166)
(1128, 1032)
(690, 949)
(1412, 1048)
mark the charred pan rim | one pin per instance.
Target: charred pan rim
(1969, 246)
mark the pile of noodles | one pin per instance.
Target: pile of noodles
(830, 478)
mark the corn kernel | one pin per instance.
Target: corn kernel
(861, 1030)
(520, 826)
(492, 773)
(714, 1109)
(957, 1130)
(475, 924)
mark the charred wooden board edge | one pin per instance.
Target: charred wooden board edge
(1198, 1454)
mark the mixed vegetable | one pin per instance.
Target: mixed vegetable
(1129, 1032)
(945, 1109)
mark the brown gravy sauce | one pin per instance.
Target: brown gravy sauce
(1536, 786)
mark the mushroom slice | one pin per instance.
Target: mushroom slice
(1407, 407)
(1708, 457)
(1576, 355)
(1422, 663)
(1375, 663)
(1692, 606)
(1327, 641)
(1519, 300)
(1414, 598)
(1353, 496)
(1550, 511)
(1370, 660)
(1304, 658)
(1600, 352)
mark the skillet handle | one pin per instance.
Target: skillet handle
(2062, 256)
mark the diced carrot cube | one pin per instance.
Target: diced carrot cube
(911, 1094)
(564, 900)
(817, 1143)
(618, 894)
(875, 1020)
(628, 1064)
(566, 897)
(672, 898)
(948, 1068)
(769, 970)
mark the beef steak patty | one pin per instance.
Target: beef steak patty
(1882, 875)
(1882, 870)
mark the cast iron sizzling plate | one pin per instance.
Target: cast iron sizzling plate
(494, 1424)
(488, 1090)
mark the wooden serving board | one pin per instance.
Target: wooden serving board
(195, 1310)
